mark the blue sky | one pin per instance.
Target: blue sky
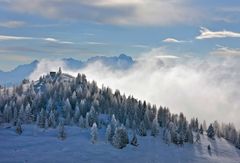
(36, 29)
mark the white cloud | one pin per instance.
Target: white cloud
(173, 40)
(48, 39)
(6, 38)
(167, 56)
(140, 46)
(226, 51)
(207, 34)
(12, 24)
(95, 43)
(121, 12)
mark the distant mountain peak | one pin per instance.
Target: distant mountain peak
(21, 72)
(124, 56)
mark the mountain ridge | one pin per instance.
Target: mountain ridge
(16, 75)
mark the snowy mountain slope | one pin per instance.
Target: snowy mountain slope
(18, 74)
(40, 145)
(56, 100)
(23, 71)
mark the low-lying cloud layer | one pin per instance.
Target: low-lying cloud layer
(205, 88)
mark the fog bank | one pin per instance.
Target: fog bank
(207, 88)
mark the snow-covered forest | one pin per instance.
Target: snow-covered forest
(58, 100)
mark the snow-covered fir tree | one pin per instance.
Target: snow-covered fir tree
(190, 136)
(42, 118)
(76, 114)
(19, 127)
(120, 138)
(217, 129)
(7, 112)
(111, 128)
(155, 127)
(61, 134)
(134, 140)
(52, 119)
(109, 133)
(146, 119)
(167, 136)
(87, 120)
(28, 112)
(22, 114)
(238, 142)
(81, 122)
(204, 126)
(210, 131)
(94, 133)
(142, 131)
(201, 129)
(198, 138)
(92, 117)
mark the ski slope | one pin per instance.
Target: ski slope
(40, 145)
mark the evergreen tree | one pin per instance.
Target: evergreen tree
(142, 129)
(42, 118)
(15, 116)
(94, 133)
(198, 138)
(67, 109)
(52, 119)
(7, 113)
(238, 141)
(196, 125)
(114, 122)
(87, 120)
(81, 122)
(181, 137)
(167, 136)
(109, 133)
(120, 138)
(204, 126)
(19, 127)
(190, 136)
(62, 133)
(134, 141)
(76, 114)
(22, 114)
(146, 120)
(201, 129)
(28, 112)
(92, 117)
(127, 123)
(210, 131)
(155, 127)
(46, 123)
(68, 118)
(216, 128)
